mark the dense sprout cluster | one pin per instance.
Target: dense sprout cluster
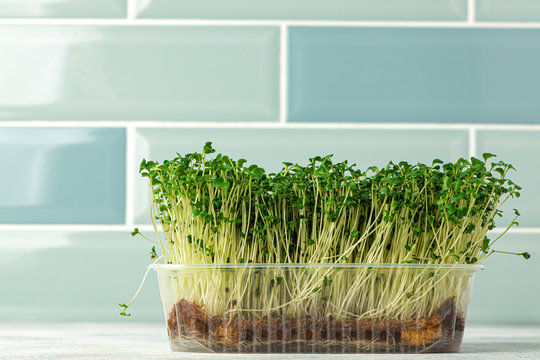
(220, 210)
(217, 210)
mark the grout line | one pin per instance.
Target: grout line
(472, 141)
(131, 21)
(283, 73)
(74, 227)
(131, 9)
(518, 230)
(130, 169)
(145, 227)
(63, 227)
(471, 11)
(265, 125)
(149, 227)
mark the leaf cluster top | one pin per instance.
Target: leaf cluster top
(215, 209)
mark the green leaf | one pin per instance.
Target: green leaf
(208, 149)
(316, 289)
(487, 156)
(135, 232)
(517, 212)
(447, 182)
(485, 243)
(222, 184)
(477, 164)
(499, 170)
(123, 312)
(526, 255)
(327, 281)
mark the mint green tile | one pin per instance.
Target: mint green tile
(62, 175)
(439, 75)
(505, 10)
(270, 147)
(305, 9)
(521, 149)
(62, 8)
(139, 73)
(508, 290)
(82, 276)
(75, 276)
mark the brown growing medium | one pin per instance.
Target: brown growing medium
(442, 331)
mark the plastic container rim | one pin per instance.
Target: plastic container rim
(468, 267)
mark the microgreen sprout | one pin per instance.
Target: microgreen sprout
(153, 254)
(218, 210)
(124, 306)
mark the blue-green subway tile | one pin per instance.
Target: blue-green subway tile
(447, 10)
(82, 276)
(438, 75)
(139, 73)
(62, 175)
(75, 276)
(521, 149)
(270, 147)
(62, 8)
(505, 10)
(508, 290)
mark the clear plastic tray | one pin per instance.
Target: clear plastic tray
(315, 308)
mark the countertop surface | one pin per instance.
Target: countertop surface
(149, 341)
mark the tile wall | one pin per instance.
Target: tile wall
(90, 87)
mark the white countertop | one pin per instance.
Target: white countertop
(149, 341)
